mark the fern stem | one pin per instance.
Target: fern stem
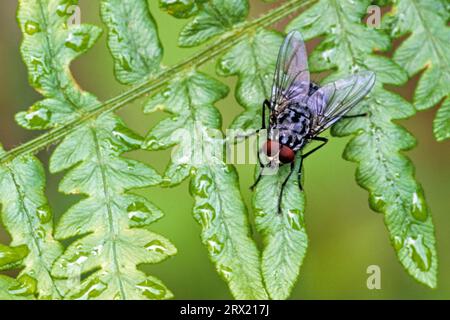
(159, 80)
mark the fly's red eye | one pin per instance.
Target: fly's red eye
(271, 148)
(287, 155)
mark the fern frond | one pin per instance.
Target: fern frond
(212, 18)
(194, 129)
(111, 223)
(428, 47)
(8, 289)
(156, 83)
(284, 235)
(253, 60)
(27, 218)
(377, 142)
(133, 39)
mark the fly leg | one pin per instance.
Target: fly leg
(261, 168)
(299, 173)
(280, 195)
(359, 115)
(266, 104)
(324, 142)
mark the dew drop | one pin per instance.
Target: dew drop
(40, 232)
(167, 93)
(294, 219)
(38, 71)
(205, 214)
(152, 143)
(63, 7)
(93, 289)
(419, 207)
(12, 255)
(224, 67)
(79, 257)
(260, 213)
(97, 250)
(377, 202)
(44, 214)
(326, 55)
(125, 63)
(138, 212)
(38, 117)
(77, 41)
(201, 185)
(224, 271)
(214, 245)
(181, 9)
(156, 246)
(398, 243)
(152, 290)
(27, 286)
(32, 27)
(419, 252)
(127, 137)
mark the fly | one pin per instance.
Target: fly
(300, 109)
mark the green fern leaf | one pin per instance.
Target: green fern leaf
(8, 289)
(285, 240)
(12, 257)
(27, 217)
(254, 64)
(194, 128)
(132, 39)
(212, 18)
(377, 142)
(284, 235)
(111, 223)
(427, 47)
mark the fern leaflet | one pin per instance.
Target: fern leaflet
(377, 142)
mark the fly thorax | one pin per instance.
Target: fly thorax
(293, 125)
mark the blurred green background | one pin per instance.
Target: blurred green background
(345, 235)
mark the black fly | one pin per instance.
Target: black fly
(300, 110)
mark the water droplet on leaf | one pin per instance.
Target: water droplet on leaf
(295, 219)
(78, 41)
(201, 185)
(419, 207)
(205, 214)
(32, 27)
(224, 271)
(398, 243)
(44, 214)
(93, 289)
(26, 286)
(156, 246)
(419, 252)
(224, 67)
(377, 202)
(215, 246)
(138, 212)
(181, 9)
(127, 137)
(37, 117)
(152, 290)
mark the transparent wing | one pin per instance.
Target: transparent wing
(332, 101)
(291, 78)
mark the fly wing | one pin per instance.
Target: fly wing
(334, 100)
(291, 78)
